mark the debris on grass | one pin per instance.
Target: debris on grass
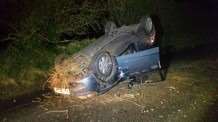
(67, 73)
(171, 88)
(129, 96)
(161, 116)
(66, 112)
(37, 100)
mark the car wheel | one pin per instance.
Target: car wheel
(104, 67)
(148, 25)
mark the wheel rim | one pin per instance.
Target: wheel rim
(149, 24)
(105, 64)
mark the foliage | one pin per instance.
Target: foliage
(32, 52)
(128, 11)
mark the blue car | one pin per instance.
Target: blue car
(120, 54)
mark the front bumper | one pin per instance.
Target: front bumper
(79, 88)
(85, 86)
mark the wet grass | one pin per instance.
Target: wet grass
(194, 89)
(25, 70)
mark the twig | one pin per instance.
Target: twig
(43, 107)
(50, 42)
(8, 39)
(133, 102)
(81, 9)
(59, 111)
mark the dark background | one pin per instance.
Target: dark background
(31, 31)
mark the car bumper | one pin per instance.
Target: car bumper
(83, 87)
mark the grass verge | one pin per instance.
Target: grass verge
(25, 70)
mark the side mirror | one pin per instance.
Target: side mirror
(109, 27)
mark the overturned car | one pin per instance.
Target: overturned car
(120, 54)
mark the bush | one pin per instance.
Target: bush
(128, 11)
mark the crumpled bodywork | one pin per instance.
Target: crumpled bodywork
(72, 73)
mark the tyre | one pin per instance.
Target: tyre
(147, 24)
(104, 67)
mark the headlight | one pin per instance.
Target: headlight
(152, 39)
